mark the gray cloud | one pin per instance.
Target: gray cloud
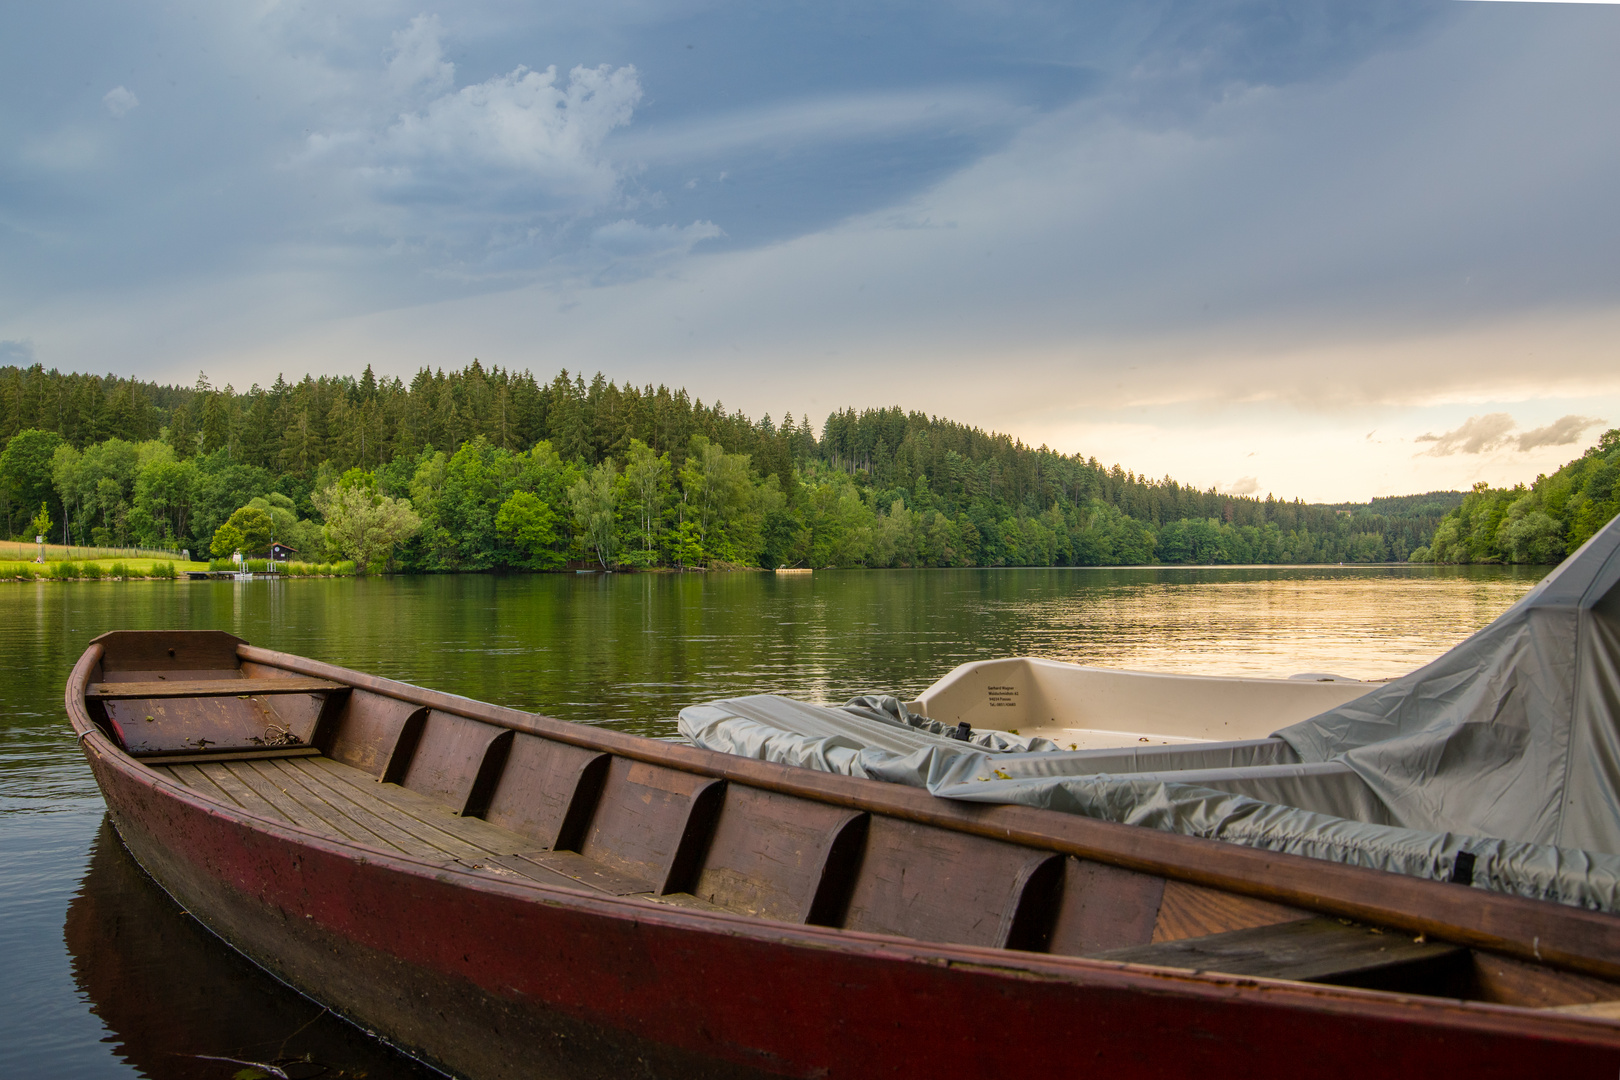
(1476, 435)
(1253, 199)
(633, 249)
(1244, 485)
(418, 62)
(1479, 434)
(626, 237)
(20, 353)
(795, 124)
(1561, 432)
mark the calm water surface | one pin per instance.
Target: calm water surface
(104, 977)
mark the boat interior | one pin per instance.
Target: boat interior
(451, 782)
(1092, 708)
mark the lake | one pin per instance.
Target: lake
(107, 978)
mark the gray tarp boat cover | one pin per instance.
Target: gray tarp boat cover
(1497, 764)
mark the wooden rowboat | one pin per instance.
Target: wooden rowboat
(504, 895)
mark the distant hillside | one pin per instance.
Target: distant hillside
(120, 460)
(1408, 521)
(1429, 504)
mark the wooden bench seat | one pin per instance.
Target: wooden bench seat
(176, 688)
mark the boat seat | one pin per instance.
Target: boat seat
(160, 719)
(1315, 950)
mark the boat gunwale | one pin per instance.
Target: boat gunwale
(969, 666)
(1546, 933)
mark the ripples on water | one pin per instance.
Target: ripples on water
(628, 651)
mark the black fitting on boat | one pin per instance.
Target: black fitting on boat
(1462, 871)
(964, 731)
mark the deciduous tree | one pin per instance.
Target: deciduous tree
(595, 501)
(363, 525)
(530, 526)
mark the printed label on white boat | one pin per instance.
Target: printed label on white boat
(1003, 697)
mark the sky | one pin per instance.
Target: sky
(1322, 249)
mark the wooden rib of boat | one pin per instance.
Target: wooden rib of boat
(504, 895)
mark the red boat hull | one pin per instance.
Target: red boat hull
(489, 979)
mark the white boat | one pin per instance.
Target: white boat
(1496, 764)
(1093, 708)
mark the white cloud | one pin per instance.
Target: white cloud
(418, 62)
(1476, 435)
(119, 101)
(522, 126)
(1561, 432)
(520, 135)
(488, 175)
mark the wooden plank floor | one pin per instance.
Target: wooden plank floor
(336, 800)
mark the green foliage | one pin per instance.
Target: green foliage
(643, 498)
(164, 569)
(595, 501)
(222, 486)
(1539, 524)
(718, 498)
(526, 523)
(227, 540)
(25, 475)
(304, 537)
(164, 491)
(129, 463)
(255, 527)
(63, 571)
(92, 571)
(365, 525)
(41, 523)
(686, 548)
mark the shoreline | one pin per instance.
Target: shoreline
(184, 574)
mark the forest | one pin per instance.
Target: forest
(1540, 523)
(489, 469)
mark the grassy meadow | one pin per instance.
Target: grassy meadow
(70, 563)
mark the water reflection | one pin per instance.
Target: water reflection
(180, 1005)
